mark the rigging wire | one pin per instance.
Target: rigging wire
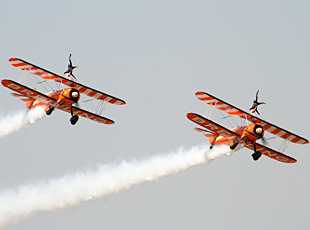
(23, 77)
(38, 82)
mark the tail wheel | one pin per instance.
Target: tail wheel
(74, 119)
(256, 155)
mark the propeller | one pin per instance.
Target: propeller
(77, 104)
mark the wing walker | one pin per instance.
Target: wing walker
(65, 98)
(245, 135)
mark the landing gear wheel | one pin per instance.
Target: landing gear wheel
(256, 155)
(211, 146)
(74, 119)
(234, 145)
(51, 109)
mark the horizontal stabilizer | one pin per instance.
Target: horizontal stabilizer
(206, 133)
(22, 97)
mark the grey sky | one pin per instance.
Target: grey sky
(155, 55)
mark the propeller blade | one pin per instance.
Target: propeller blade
(77, 104)
(264, 141)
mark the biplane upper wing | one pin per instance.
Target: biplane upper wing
(271, 153)
(86, 114)
(232, 110)
(23, 65)
(214, 127)
(27, 92)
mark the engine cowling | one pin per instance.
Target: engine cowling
(71, 94)
(74, 95)
(256, 129)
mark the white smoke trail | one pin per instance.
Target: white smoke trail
(72, 189)
(15, 121)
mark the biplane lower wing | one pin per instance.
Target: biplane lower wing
(86, 114)
(27, 92)
(271, 153)
(212, 126)
(218, 129)
(232, 110)
(24, 65)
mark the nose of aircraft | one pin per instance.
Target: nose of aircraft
(259, 130)
(75, 94)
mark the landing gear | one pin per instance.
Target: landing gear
(51, 107)
(234, 145)
(257, 154)
(50, 110)
(74, 118)
(211, 146)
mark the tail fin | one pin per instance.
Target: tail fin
(29, 100)
(206, 133)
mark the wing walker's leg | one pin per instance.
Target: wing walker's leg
(74, 118)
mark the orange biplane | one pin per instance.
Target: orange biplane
(246, 135)
(63, 98)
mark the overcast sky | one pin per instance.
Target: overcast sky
(155, 55)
